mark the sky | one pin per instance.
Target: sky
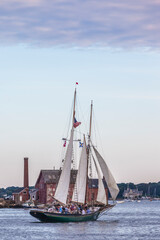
(112, 49)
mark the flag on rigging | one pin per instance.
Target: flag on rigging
(80, 144)
(64, 145)
(76, 124)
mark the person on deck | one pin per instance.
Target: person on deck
(88, 210)
(83, 212)
(63, 209)
(72, 207)
(66, 210)
(60, 209)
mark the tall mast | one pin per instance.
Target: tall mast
(63, 184)
(74, 105)
(88, 148)
(90, 127)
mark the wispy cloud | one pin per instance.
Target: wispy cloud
(120, 24)
(135, 97)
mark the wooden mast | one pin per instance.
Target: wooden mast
(73, 120)
(90, 127)
(88, 148)
(89, 141)
(74, 105)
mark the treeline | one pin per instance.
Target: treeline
(149, 189)
(9, 190)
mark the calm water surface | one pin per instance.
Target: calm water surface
(130, 221)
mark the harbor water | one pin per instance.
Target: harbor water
(128, 220)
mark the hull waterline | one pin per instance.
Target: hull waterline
(45, 216)
(56, 217)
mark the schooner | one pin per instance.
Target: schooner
(100, 205)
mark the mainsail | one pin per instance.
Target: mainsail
(111, 183)
(101, 196)
(80, 185)
(63, 184)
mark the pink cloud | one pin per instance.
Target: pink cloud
(121, 24)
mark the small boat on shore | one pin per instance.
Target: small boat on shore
(83, 209)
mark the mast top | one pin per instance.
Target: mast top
(76, 84)
(74, 105)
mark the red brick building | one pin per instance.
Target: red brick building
(47, 182)
(21, 196)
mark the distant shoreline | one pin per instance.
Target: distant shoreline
(149, 189)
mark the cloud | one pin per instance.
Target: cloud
(117, 24)
(135, 97)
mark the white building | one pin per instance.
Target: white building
(132, 194)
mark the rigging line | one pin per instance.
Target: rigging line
(91, 176)
(77, 113)
(74, 167)
(76, 134)
(85, 123)
(67, 126)
(80, 132)
(95, 162)
(94, 132)
(99, 135)
(78, 118)
(74, 156)
(94, 175)
(62, 155)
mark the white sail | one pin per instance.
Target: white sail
(111, 183)
(63, 184)
(101, 195)
(80, 186)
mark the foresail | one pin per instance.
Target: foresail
(101, 195)
(80, 186)
(63, 184)
(111, 183)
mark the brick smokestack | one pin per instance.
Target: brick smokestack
(26, 183)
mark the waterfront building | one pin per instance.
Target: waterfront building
(132, 194)
(33, 194)
(21, 195)
(47, 182)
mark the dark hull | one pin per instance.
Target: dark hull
(44, 216)
(56, 217)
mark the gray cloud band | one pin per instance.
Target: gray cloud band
(120, 24)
